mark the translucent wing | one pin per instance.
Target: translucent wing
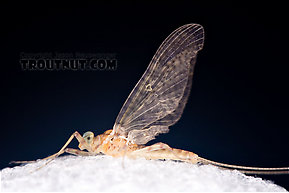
(158, 99)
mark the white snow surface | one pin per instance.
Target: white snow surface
(104, 173)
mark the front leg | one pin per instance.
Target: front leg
(61, 151)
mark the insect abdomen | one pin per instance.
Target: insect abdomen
(163, 151)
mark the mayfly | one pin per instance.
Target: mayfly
(156, 102)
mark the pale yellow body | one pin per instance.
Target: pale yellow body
(117, 146)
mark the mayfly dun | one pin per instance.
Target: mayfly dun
(156, 102)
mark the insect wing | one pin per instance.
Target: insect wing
(158, 99)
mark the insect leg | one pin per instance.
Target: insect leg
(61, 151)
(78, 152)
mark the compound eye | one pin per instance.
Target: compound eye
(88, 137)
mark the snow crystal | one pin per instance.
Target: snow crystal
(104, 173)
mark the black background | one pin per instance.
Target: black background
(238, 109)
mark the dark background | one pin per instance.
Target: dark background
(238, 109)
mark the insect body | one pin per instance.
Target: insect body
(156, 102)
